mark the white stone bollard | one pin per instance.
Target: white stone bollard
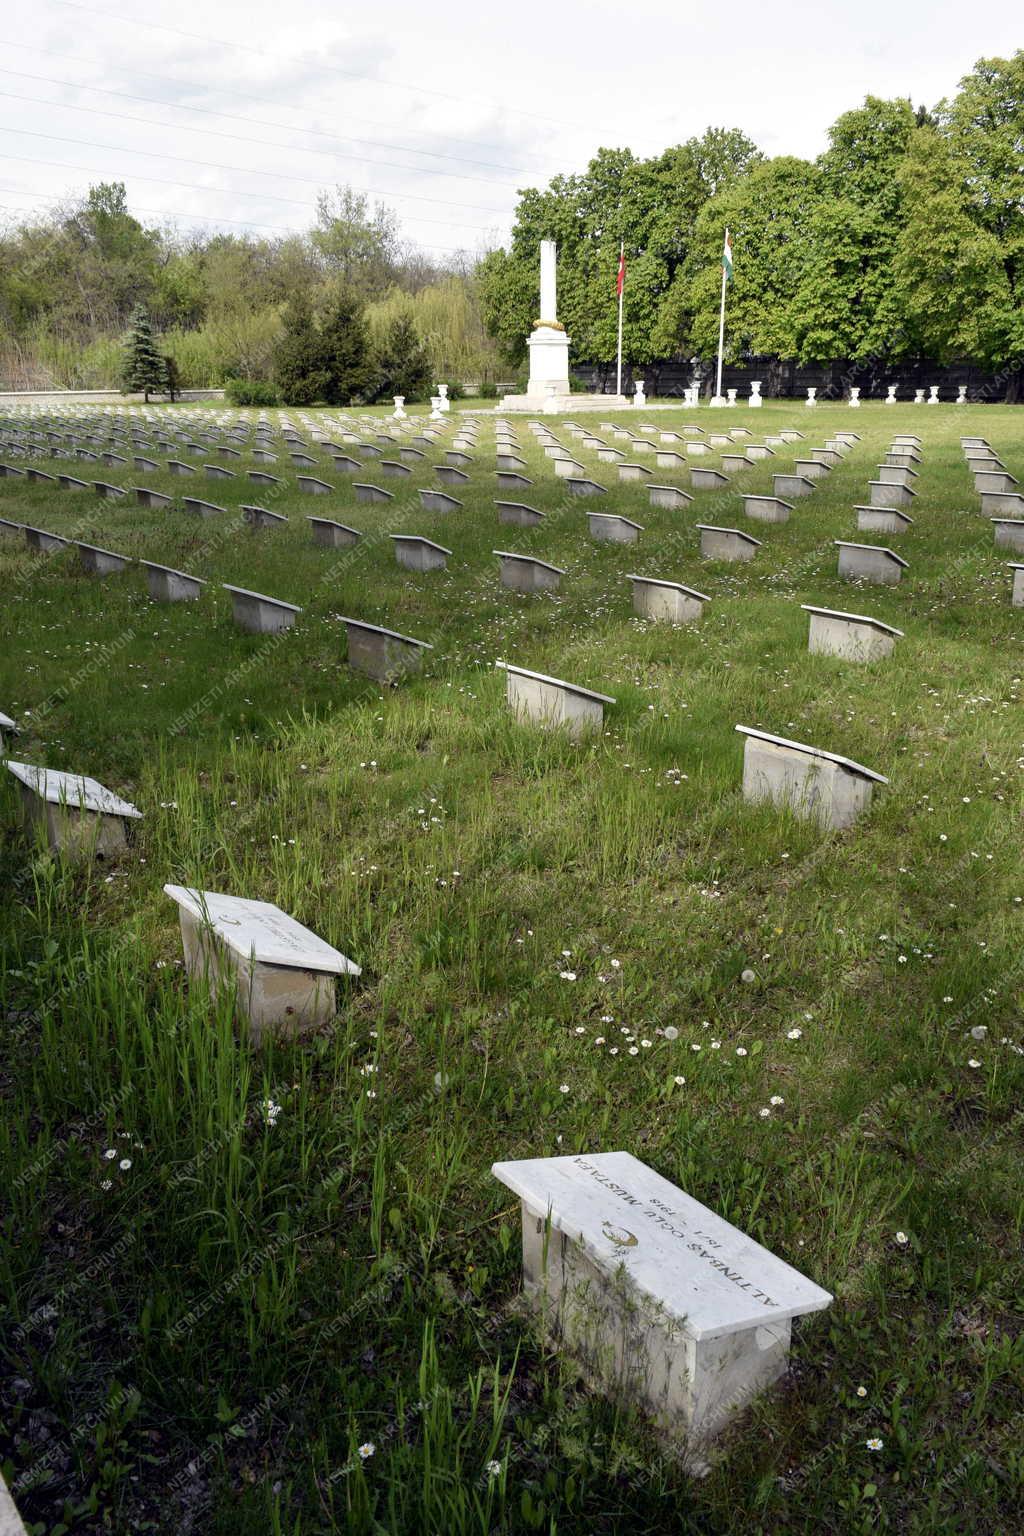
(811, 393)
(933, 395)
(755, 393)
(890, 398)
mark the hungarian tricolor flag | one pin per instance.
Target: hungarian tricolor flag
(727, 258)
(620, 281)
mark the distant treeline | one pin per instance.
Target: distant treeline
(71, 281)
(902, 244)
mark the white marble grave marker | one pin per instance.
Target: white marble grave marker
(814, 784)
(853, 636)
(551, 701)
(76, 813)
(283, 975)
(663, 1301)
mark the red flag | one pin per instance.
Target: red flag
(620, 281)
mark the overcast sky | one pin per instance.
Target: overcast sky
(234, 115)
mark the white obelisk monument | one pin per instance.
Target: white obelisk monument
(548, 346)
(548, 343)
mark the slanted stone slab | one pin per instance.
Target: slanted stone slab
(588, 441)
(814, 784)
(11, 530)
(883, 494)
(738, 434)
(708, 479)
(368, 450)
(851, 439)
(883, 520)
(912, 439)
(790, 435)
(580, 486)
(40, 477)
(644, 445)
(101, 562)
(811, 469)
(551, 701)
(518, 515)
(698, 449)
(304, 460)
(200, 508)
(261, 477)
(627, 472)
(264, 456)
(259, 614)
(439, 501)
(112, 460)
(502, 460)
(10, 471)
(525, 573)
(719, 439)
(281, 974)
(310, 486)
(218, 472)
(902, 458)
(331, 535)
(70, 483)
(667, 602)
(449, 475)
(613, 528)
(767, 509)
(896, 474)
(735, 462)
(415, 553)
(1002, 504)
(1017, 595)
(726, 543)
(830, 457)
(1009, 532)
(77, 815)
(791, 485)
(458, 457)
(260, 517)
(8, 728)
(411, 455)
(608, 455)
(179, 467)
(853, 636)
(668, 496)
(146, 465)
(511, 480)
(662, 1302)
(44, 543)
(870, 562)
(997, 480)
(758, 451)
(392, 469)
(228, 452)
(382, 654)
(166, 585)
(147, 498)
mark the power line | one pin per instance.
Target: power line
(213, 165)
(270, 197)
(162, 213)
(225, 90)
(349, 74)
(126, 117)
(180, 106)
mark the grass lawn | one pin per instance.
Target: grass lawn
(300, 1250)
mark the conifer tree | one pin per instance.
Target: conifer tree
(145, 371)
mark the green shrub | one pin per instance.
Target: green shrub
(456, 392)
(251, 392)
(488, 390)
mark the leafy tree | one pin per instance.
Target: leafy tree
(145, 371)
(345, 350)
(401, 363)
(952, 289)
(300, 368)
(358, 247)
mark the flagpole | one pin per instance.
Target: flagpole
(621, 285)
(721, 335)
